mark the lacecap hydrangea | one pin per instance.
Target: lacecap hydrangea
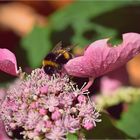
(39, 106)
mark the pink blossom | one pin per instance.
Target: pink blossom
(66, 99)
(56, 133)
(100, 57)
(56, 115)
(8, 62)
(49, 124)
(88, 125)
(81, 99)
(32, 119)
(42, 111)
(52, 103)
(71, 124)
(84, 109)
(44, 89)
(89, 121)
(40, 124)
(113, 80)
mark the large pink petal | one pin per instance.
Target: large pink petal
(100, 58)
(8, 62)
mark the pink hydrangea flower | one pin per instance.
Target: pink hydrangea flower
(50, 114)
(56, 115)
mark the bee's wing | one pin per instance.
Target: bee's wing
(67, 49)
(58, 46)
(70, 47)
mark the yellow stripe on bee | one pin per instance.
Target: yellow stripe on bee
(51, 63)
(65, 53)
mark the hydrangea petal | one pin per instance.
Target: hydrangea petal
(100, 58)
(8, 62)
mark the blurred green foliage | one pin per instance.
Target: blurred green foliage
(130, 121)
(106, 130)
(36, 45)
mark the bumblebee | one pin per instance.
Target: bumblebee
(54, 61)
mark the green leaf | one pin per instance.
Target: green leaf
(71, 136)
(36, 46)
(130, 122)
(105, 130)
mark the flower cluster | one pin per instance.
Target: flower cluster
(47, 107)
